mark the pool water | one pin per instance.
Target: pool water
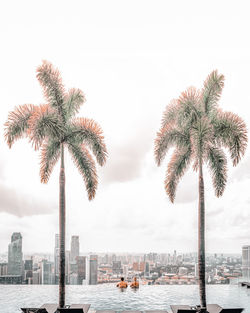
(107, 296)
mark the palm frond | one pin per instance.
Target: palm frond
(51, 82)
(166, 138)
(50, 153)
(217, 162)
(73, 100)
(231, 132)
(177, 167)
(170, 114)
(189, 102)
(44, 122)
(201, 136)
(212, 90)
(17, 123)
(87, 131)
(86, 166)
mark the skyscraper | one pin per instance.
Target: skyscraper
(46, 273)
(67, 266)
(116, 267)
(3, 269)
(28, 271)
(56, 258)
(81, 269)
(125, 271)
(246, 263)
(74, 250)
(93, 265)
(147, 270)
(15, 255)
(87, 271)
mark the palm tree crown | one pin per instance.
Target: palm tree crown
(199, 131)
(51, 125)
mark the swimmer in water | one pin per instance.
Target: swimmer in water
(135, 283)
(122, 284)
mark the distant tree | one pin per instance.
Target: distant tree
(199, 131)
(50, 128)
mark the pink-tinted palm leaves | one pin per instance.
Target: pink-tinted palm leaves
(199, 131)
(51, 128)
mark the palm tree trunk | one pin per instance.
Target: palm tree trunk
(201, 241)
(62, 232)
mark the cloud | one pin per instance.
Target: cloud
(187, 190)
(18, 204)
(214, 213)
(242, 171)
(126, 160)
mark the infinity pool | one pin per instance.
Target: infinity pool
(107, 296)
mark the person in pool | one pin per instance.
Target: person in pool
(122, 284)
(135, 283)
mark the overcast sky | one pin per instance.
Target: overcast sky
(130, 58)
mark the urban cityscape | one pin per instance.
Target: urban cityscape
(98, 268)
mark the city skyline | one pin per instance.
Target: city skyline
(130, 64)
(55, 250)
(92, 269)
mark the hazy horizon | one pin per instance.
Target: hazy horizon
(130, 59)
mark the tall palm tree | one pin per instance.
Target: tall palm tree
(50, 128)
(199, 131)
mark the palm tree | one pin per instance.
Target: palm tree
(199, 131)
(50, 128)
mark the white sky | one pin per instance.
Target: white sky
(130, 58)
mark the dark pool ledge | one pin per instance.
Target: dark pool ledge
(211, 308)
(53, 308)
(84, 308)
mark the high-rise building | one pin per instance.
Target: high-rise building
(106, 259)
(139, 266)
(147, 270)
(246, 262)
(3, 269)
(81, 269)
(93, 265)
(116, 267)
(56, 259)
(15, 255)
(73, 279)
(136, 266)
(74, 250)
(36, 277)
(151, 257)
(142, 266)
(67, 266)
(125, 271)
(46, 273)
(28, 271)
(175, 258)
(73, 268)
